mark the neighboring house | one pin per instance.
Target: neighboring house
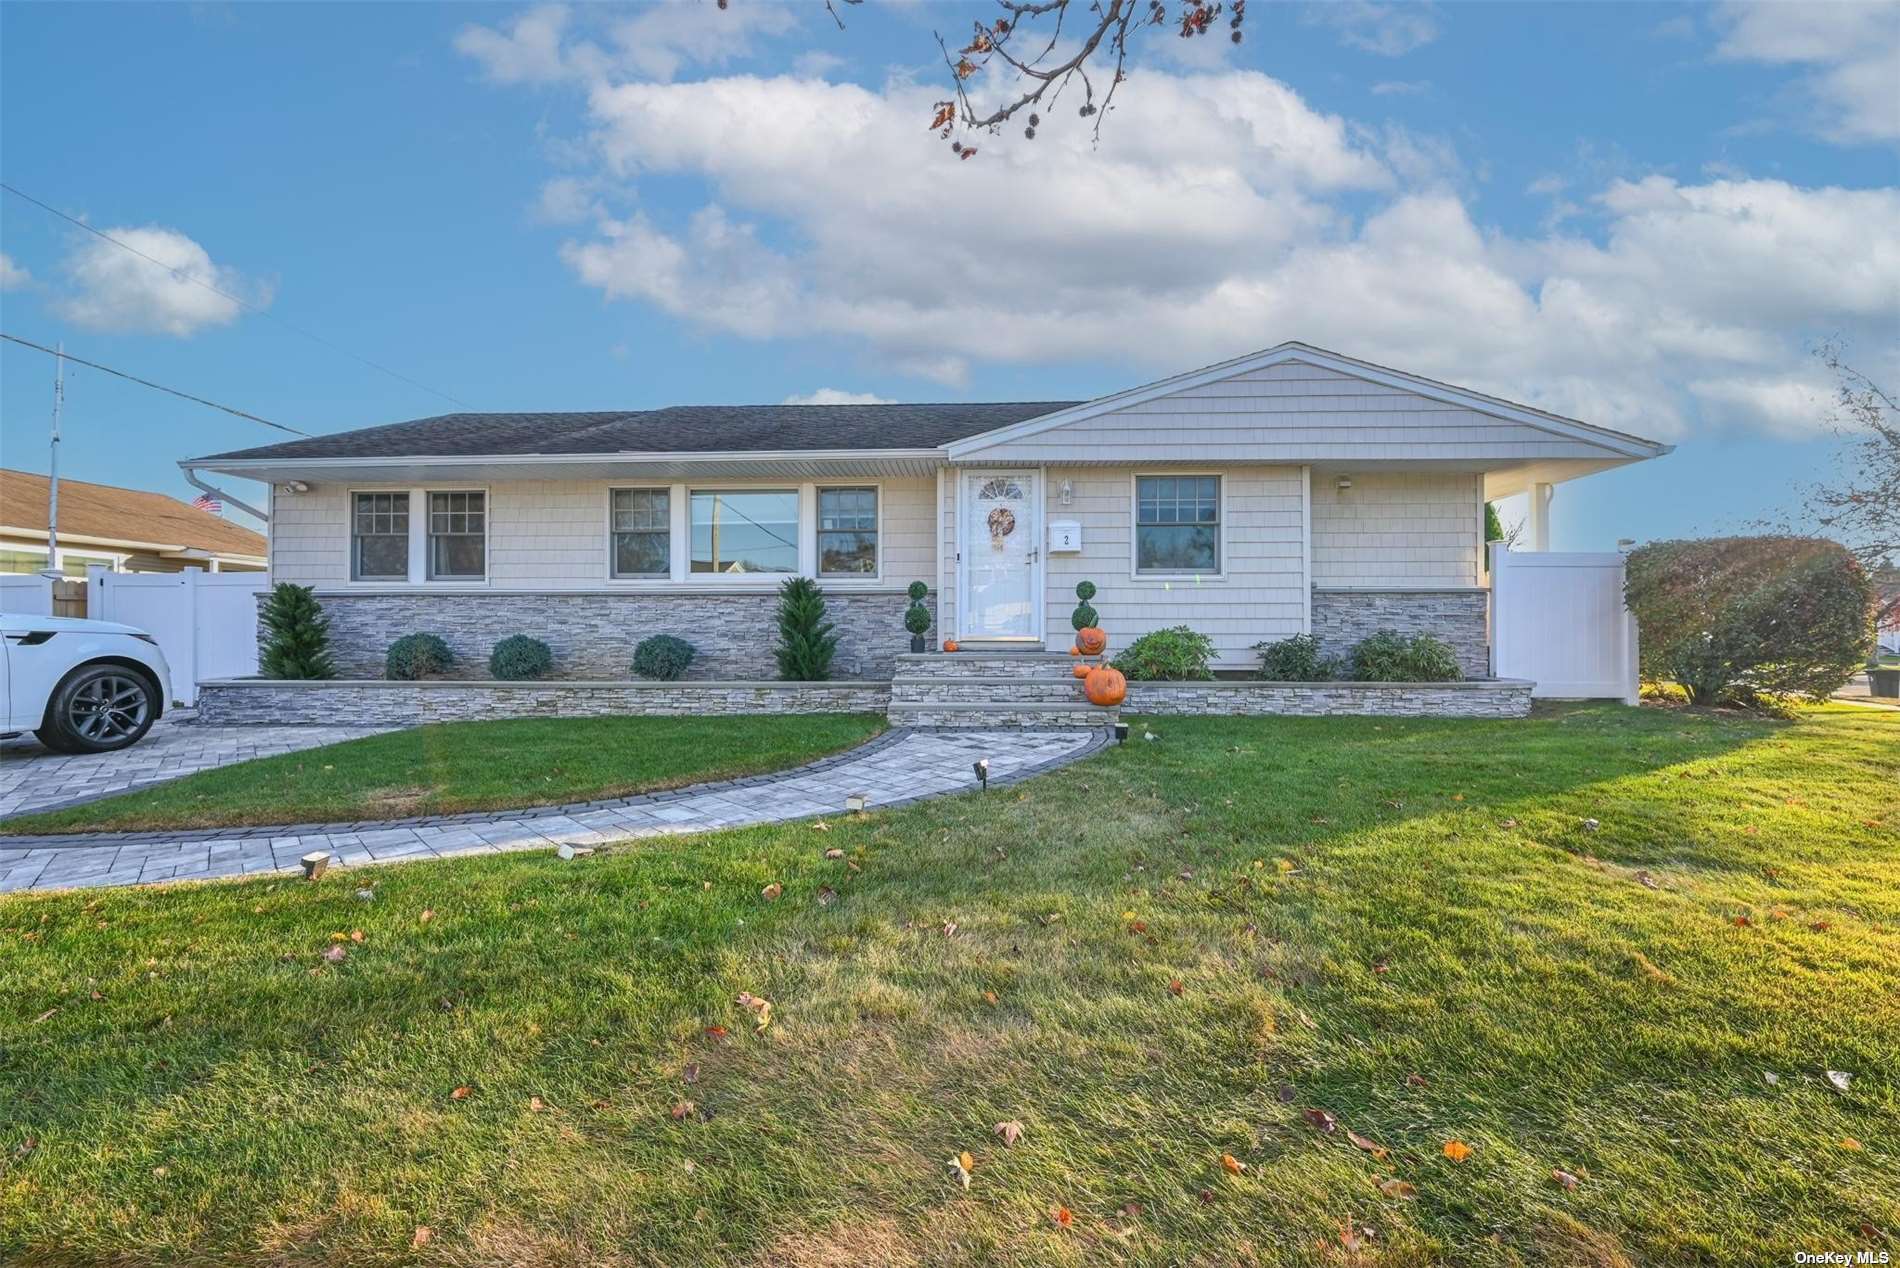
(1287, 491)
(126, 530)
(1887, 590)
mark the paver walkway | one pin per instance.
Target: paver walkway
(899, 767)
(33, 777)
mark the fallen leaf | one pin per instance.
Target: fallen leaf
(1321, 1119)
(1563, 1177)
(43, 1016)
(1839, 1079)
(1232, 1165)
(834, 853)
(771, 892)
(1457, 1150)
(716, 1032)
(1848, 1142)
(356, 935)
(1131, 1209)
(1770, 1078)
(761, 1008)
(1062, 1215)
(428, 914)
(461, 1093)
(949, 928)
(335, 955)
(822, 826)
(1416, 1080)
(1372, 1147)
(1396, 1188)
(691, 1073)
(536, 1105)
(960, 1168)
(1207, 1195)
(682, 1110)
(422, 1235)
(1175, 987)
(989, 997)
(1011, 1131)
(1740, 922)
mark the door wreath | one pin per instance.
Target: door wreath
(1002, 522)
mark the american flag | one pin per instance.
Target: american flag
(205, 502)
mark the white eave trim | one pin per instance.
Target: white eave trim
(1613, 441)
(234, 466)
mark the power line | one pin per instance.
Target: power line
(94, 365)
(235, 299)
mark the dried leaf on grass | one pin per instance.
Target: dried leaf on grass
(1397, 1188)
(1232, 1165)
(1457, 1150)
(1011, 1131)
(1372, 1147)
(960, 1168)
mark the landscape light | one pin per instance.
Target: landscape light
(854, 802)
(982, 768)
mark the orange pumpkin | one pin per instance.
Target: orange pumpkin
(1105, 687)
(949, 645)
(1091, 639)
(1074, 650)
(1082, 671)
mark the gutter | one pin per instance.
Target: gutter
(191, 478)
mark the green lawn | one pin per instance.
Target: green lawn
(460, 766)
(1170, 952)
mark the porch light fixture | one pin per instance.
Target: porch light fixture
(1121, 733)
(1068, 492)
(854, 802)
(315, 864)
(1345, 482)
(982, 768)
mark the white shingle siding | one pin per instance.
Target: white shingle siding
(1291, 413)
(552, 534)
(1398, 529)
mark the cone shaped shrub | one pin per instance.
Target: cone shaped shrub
(806, 643)
(297, 635)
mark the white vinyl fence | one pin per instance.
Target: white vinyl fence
(1559, 620)
(205, 622)
(28, 595)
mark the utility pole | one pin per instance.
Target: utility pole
(52, 489)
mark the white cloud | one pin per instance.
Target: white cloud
(113, 290)
(837, 396)
(12, 276)
(1220, 214)
(1401, 87)
(1851, 52)
(1390, 30)
(566, 200)
(541, 46)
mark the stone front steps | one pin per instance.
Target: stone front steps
(991, 689)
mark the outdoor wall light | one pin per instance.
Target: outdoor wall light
(982, 768)
(854, 802)
(1068, 492)
(1345, 482)
(1121, 733)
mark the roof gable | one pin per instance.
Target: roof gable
(1296, 402)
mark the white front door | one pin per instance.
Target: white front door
(999, 540)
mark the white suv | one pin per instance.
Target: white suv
(80, 686)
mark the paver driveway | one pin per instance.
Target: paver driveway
(35, 778)
(898, 767)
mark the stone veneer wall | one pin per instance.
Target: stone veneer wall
(1342, 618)
(1473, 698)
(593, 635)
(260, 701)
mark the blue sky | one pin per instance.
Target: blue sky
(1641, 215)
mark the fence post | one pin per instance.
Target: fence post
(96, 593)
(1500, 561)
(189, 694)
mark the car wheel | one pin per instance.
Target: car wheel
(99, 708)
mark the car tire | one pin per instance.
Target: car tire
(99, 709)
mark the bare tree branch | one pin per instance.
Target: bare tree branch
(1861, 505)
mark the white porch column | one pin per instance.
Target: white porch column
(1537, 527)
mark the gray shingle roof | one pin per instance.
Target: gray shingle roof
(677, 429)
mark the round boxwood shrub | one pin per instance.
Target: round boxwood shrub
(518, 657)
(1391, 657)
(417, 656)
(662, 656)
(1296, 659)
(1176, 654)
(1084, 616)
(917, 616)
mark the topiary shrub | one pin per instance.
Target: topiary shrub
(417, 656)
(663, 657)
(1176, 654)
(519, 657)
(917, 616)
(805, 639)
(1084, 616)
(1746, 619)
(297, 635)
(1390, 657)
(1296, 659)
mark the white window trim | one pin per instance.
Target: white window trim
(847, 579)
(674, 515)
(806, 538)
(418, 538)
(1135, 574)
